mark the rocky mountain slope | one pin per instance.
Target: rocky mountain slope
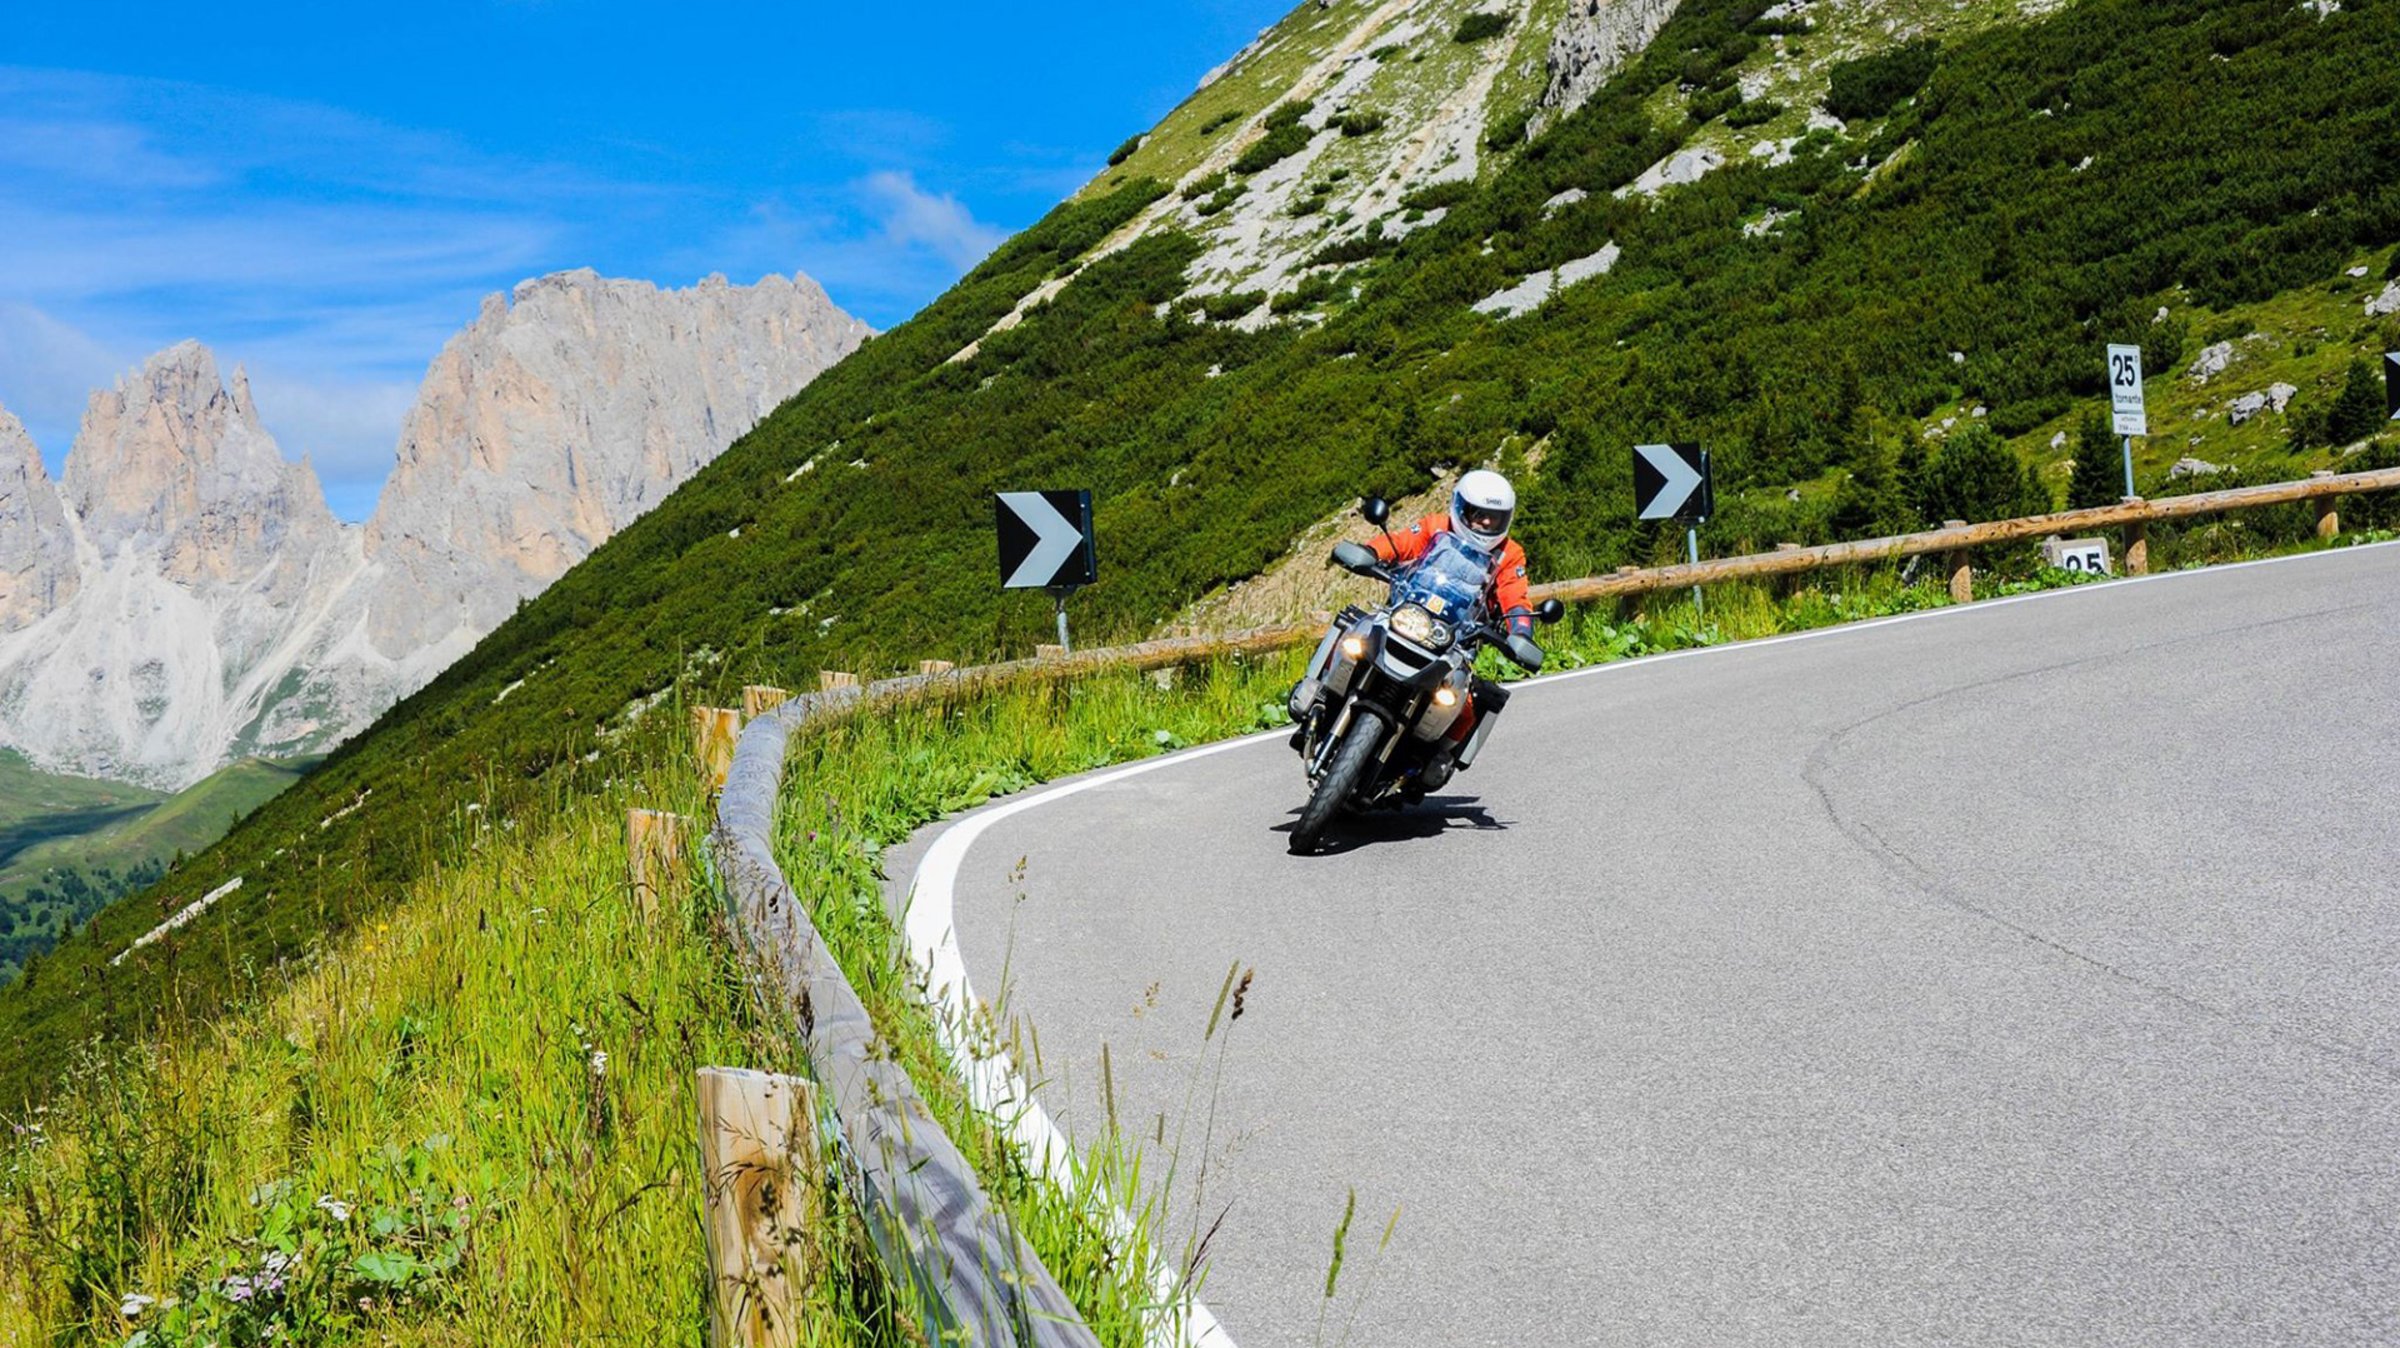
(1805, 235)
(184, 597)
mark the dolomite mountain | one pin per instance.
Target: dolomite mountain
(184, 597)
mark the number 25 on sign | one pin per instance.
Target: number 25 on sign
(2125, 390)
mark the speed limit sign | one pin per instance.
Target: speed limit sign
(2125, 390)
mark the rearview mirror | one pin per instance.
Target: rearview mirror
(1527, 655)
(1550, 610)
(1356, 557)
(1376, 509)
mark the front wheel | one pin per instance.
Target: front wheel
(1342, 777)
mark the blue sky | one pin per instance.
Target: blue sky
(324, 193)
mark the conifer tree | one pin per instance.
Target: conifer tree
(2099, 470)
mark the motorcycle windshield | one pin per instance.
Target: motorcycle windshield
(1449, 581)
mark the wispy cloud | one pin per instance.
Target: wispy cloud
(914, 218)
(881, 245)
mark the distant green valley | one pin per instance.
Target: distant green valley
(71, 845)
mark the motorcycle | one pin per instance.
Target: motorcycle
(1396, 679)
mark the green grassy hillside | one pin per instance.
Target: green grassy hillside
(71, 845)
(1995, 207)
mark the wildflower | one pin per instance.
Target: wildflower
(599, 1062)
(334, 1207)
(135, 1303)
(237, 1288)
(459, 1201)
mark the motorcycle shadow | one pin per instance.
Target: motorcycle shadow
(1430, 818)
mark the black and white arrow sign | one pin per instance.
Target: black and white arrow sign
(1671, 482)
(2391, 383)
(1045, 539)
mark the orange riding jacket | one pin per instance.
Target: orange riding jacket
(1509, 588)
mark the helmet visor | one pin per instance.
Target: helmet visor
(1488, 521)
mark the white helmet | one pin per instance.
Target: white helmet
(1482, 507)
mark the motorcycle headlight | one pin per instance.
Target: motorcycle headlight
(1413, 622)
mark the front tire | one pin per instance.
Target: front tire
(1342, 776)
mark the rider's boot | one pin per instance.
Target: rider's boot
(1488, 698)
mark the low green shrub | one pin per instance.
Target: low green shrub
(1873, 85)
(1755, 112)
(1480, 25)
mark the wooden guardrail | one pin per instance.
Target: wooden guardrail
(2134, 515)
(971, 1278)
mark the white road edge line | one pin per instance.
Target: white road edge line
(994, 1083)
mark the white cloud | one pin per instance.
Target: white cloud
(913, 217)
(880, 247)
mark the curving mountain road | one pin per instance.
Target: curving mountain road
(2027, 973)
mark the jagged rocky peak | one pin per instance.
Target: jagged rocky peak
(1593, 41)
(563, 413)
(176, 465)
(37, 553)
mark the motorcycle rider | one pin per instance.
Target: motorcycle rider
(1482, 507)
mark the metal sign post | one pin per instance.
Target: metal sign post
(1062, 593)
(1691, 538)
(2132, 415)
(1046, 544)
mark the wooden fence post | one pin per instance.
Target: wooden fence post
(2329, 519)
(714, 729)
(759, 698)
(935, 666)
(1962, 569)
(758, 1159)
(2137, 544)
(654, 856)
(830, 679)
(1049, 652)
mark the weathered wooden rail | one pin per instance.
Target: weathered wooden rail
(970, 1276)
(1957, 540)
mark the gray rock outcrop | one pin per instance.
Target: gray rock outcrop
(188, 598)
(1593, 42)
(203, 556)
(173, 463)
(37, 554)
(554, 420)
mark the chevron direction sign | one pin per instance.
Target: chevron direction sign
(1671, 482)
(2391, 383)
(1045, 539)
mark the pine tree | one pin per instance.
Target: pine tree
(1975, 477)
(2099, 470)
(2358, 412)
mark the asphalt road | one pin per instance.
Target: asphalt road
(2020, 974)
